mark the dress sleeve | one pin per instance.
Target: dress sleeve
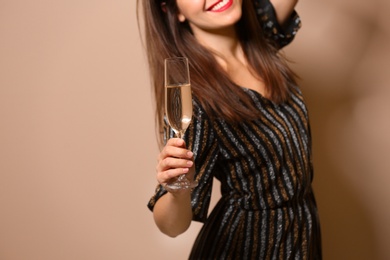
(279, 36)
(201, 140)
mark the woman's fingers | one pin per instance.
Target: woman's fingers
(168, 175)
(173, 163)
(173, 160)
(175, 147)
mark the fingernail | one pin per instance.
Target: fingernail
(190, 163)
(190, 154)
(185, 170)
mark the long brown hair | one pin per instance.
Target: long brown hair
(165, 36)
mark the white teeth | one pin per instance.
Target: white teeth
(220, 5)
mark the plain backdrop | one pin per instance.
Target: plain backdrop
(77, 136)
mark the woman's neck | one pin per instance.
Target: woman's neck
(229, 54)
(223, 41)
(224, 44)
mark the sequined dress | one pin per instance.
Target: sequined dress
(267, 209)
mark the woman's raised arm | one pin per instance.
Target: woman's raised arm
(283, 9)
(278, 19)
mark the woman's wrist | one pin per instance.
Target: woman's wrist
(178, 193)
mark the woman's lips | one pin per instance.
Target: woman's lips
(220, 6)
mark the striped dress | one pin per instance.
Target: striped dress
(267, 209)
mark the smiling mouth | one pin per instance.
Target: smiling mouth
(220, 6)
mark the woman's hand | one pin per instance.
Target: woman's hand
(174, 160)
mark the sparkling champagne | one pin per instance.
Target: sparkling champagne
(179, 107)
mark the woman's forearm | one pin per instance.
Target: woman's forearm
(283, 9)
(172, 213)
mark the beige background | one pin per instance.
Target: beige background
(77, 140)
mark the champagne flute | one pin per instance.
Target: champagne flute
(178, 106)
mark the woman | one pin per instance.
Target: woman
(250, 130)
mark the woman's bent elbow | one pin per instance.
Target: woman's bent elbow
(173, 231)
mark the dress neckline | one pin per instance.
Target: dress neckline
(258, 94)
